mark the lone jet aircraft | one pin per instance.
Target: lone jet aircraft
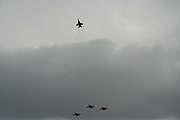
(90, 106)
(103, 108)
(76, 114)
(79, 24)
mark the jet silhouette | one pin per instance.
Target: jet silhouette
(79, 24)
(103, 108)
(76, 114)
(90, 106)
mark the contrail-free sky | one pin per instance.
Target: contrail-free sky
(127, 59)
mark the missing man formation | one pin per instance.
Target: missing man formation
(90, 107)
(80, 25)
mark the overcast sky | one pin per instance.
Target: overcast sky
(127, 58)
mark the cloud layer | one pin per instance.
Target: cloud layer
(49, 82)
(44, 22)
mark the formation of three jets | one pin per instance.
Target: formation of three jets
(90, 107)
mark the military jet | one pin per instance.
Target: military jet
(103, 108)
(90, 106)
(79, 24)
(76, 114)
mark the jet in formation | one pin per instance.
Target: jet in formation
(76, 114)
(90, 106)
(103, 108)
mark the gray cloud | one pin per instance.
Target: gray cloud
(45, 22)
(50, 82)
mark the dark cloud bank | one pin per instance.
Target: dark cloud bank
(53, 82)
